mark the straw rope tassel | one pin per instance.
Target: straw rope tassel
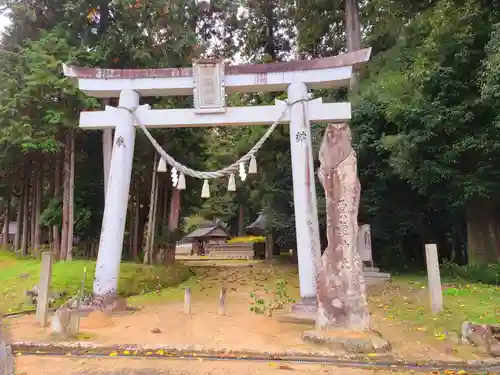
(205, 191)
(243, 174)
(181, 184)
(162, 166)
(252, 167)
(231, 186)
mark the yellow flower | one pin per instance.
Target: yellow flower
(247, 239)
(91, 14)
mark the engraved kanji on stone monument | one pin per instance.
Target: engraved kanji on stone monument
(341, 288)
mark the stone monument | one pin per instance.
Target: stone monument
(343, 321)
(341, 288)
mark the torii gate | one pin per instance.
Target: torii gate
(208, 82)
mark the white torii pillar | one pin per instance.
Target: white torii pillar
(115, 208)
(296, 77)
(304, 200)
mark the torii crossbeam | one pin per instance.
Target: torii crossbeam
(209, 82)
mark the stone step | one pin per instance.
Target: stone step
(374, 278)
(376, 274)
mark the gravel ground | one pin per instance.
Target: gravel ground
(146, 371)
(27, 365)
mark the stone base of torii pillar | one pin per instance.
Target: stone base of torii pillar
(342, 318)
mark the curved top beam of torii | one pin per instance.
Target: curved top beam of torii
(322, 73)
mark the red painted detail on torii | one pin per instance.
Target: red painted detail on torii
(355, 58)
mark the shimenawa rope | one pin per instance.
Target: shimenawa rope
(227, 171)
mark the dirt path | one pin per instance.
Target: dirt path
(110, 366)
(238, 329)
(165, 323)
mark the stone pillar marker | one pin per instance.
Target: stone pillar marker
(7, 363)
(434, 277)
(42, 305)
(341, 288)
(364, 244)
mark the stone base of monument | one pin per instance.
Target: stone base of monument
(303, 311)
(349, 341)
(373, 276)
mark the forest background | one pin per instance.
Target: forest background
(426, 121)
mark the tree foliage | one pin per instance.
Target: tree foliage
(426, 116)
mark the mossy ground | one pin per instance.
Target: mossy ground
(407, 299)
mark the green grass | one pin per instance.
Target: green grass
(209, 278)
(18, 275)
(407, 299)
(486, 274)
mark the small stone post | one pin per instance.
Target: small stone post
(222, 301)
(7, 362)
(42, 306)
(187, 301)
(434, 277)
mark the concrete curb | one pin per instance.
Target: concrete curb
(199, 352)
